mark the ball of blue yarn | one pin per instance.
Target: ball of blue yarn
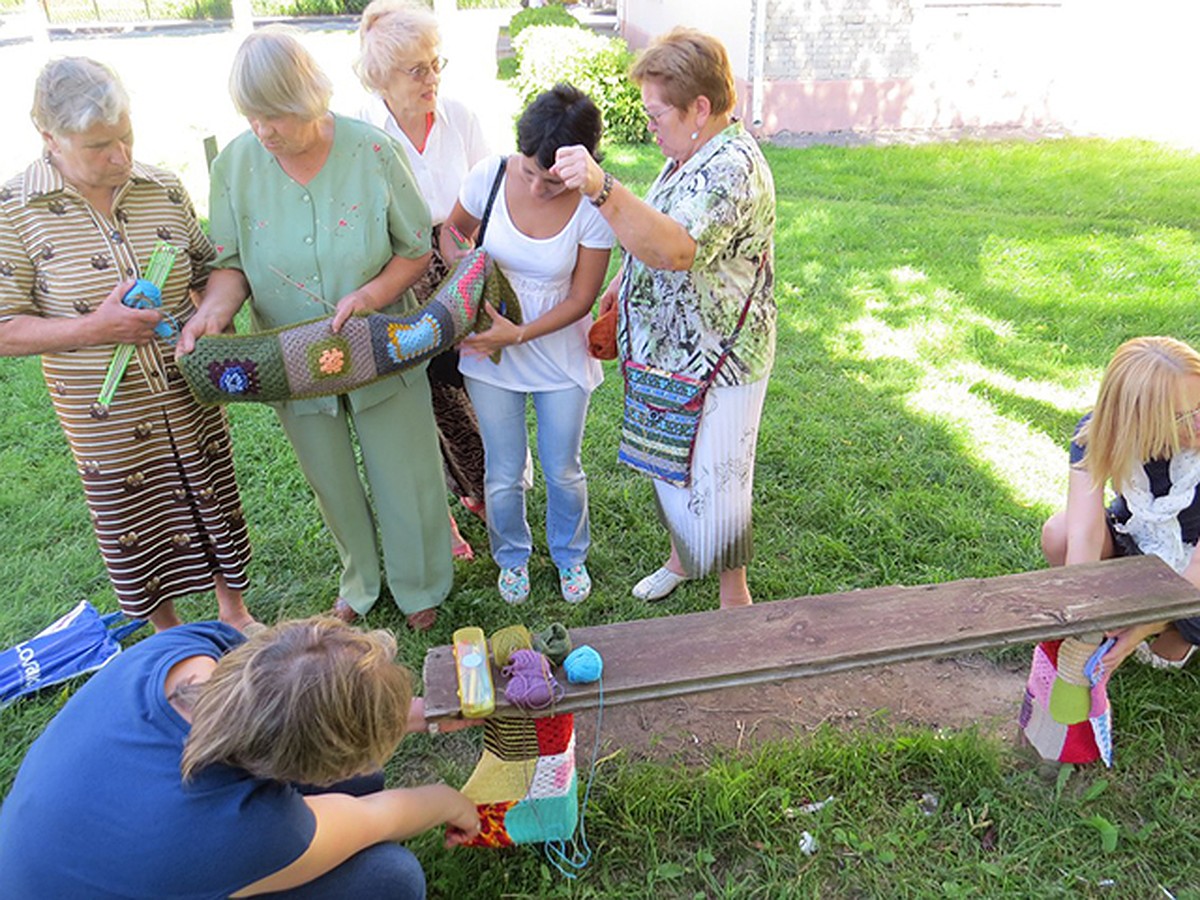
(583, 665)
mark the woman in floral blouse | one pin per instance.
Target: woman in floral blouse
(698, 251)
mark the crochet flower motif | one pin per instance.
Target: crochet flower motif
(332, 361)
(328, 358)
(234, 376)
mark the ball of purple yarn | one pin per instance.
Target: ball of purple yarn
(531, 686)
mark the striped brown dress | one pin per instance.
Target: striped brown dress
(157, 469)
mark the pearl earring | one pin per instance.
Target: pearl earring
(695, 134)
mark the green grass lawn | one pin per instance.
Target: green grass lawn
(944, 316)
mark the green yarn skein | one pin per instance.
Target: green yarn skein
(554, 642)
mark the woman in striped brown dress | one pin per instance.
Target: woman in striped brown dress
(76, 228)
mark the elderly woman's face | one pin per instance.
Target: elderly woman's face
(413, 85)
(669, 125)
(100, 157)
(287, 135)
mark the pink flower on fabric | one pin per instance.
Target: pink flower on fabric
(332, 361)
(376, 147)
(343, 223)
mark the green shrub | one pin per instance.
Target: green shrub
(193, 9)
(543, 15)
(506, 68)
(548, 54)
(308, 7)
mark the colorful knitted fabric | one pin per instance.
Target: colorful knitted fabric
(1066, 716)
(309, 360)
(525, 785)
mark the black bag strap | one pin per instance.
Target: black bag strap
(491, 201)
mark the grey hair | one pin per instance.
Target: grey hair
(275, 75)
(391, 30)
(74, 93)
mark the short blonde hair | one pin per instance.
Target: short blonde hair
(687, 64)
(390, 31)
(1137, 411)
(312, 701)
(274, 75)
(74, 93)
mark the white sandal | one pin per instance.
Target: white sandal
(1147, 657)
(658, 584)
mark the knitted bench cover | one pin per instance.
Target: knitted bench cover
(1063, 727)
(525, 785)
(308, 360)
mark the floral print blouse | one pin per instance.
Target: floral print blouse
(725, 197)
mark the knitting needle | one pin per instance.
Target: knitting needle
(462, 242)
(302, 289)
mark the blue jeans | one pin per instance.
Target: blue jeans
(383, 871)
(560, 417)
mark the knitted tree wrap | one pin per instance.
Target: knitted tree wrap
(308, 360)
(1083, 739)
(525, 786)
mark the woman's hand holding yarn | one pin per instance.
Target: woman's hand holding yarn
(113, 322)
(503, 333)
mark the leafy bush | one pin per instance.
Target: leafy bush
(193, 9)
(308, 7)
(542, 15)
(548, 54)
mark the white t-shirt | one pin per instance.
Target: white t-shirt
(455, 144)
(540, 271)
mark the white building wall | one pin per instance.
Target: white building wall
(1110, 67)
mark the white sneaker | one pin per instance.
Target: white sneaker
(658, 584)
(1147, 657)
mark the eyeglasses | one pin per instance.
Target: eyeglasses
(1189, 419)
(653, 117)
(424, 70)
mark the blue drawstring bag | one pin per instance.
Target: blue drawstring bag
(79, 642)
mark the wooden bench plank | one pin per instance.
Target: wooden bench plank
(783, 639)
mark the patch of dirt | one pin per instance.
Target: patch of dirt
(948, 693)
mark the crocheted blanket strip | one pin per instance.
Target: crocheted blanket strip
(308, 360)
(525, 785)
(1075, 742)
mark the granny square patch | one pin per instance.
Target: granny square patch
(329, 358)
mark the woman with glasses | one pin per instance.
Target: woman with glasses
(76, 228)
(399, 63)
(695, 294)
(1143, 438)
(308, 204)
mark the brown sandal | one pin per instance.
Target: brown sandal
(422, 620)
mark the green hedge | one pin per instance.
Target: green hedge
(549, 54)
(544, 15)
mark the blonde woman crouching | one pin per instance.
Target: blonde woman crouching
(1143, 438)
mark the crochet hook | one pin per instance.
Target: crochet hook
(302, 289)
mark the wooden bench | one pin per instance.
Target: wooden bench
(783, 639)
